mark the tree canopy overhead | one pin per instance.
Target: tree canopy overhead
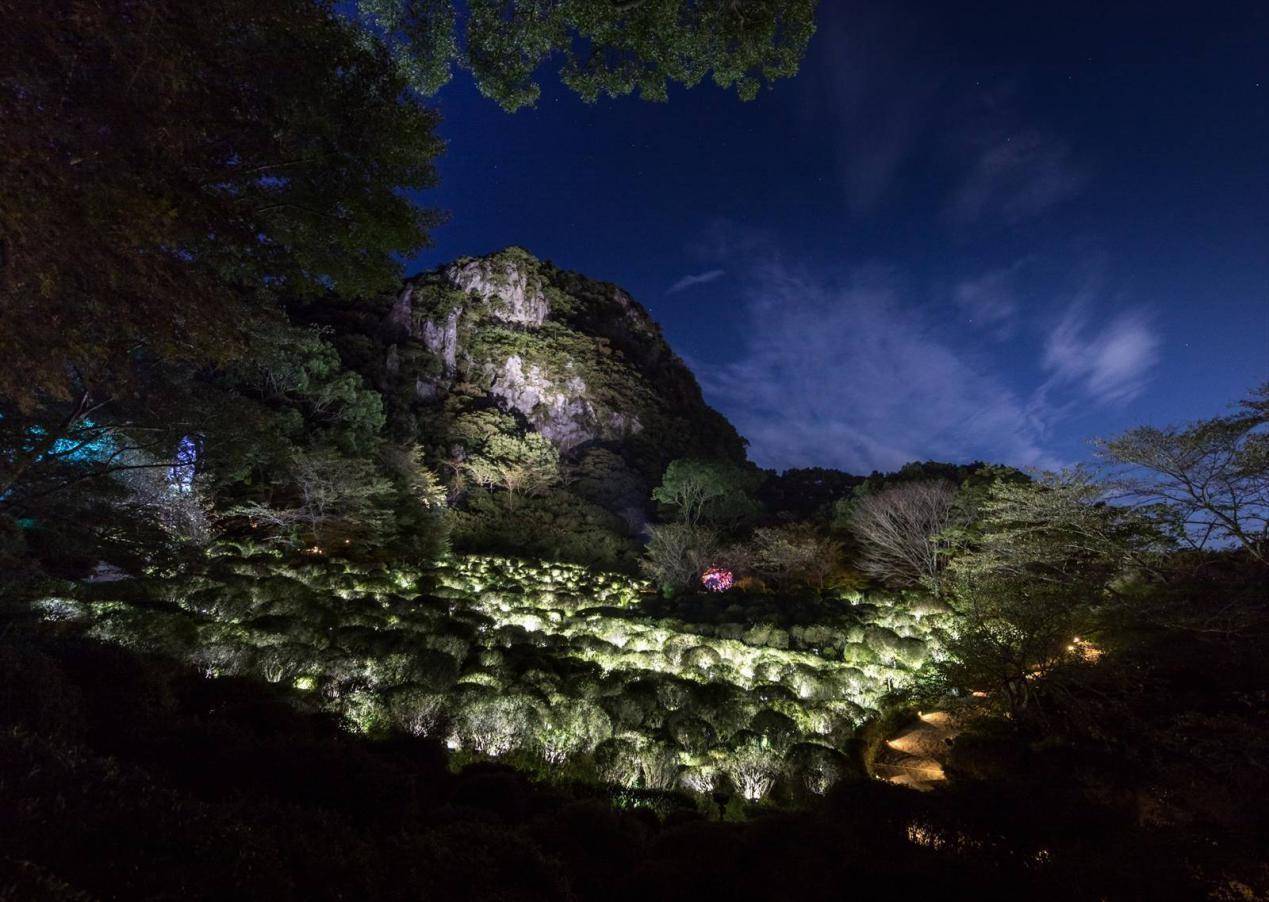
(166, 175)
(606, 48)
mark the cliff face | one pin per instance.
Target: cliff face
(577, 360)
(507, 345)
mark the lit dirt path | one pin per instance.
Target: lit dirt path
(915, 757)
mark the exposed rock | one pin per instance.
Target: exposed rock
(559, 411)
(400, 321)
(426, 389)
(558, 408)
(622, 425)
(441, 338)
(576, 359)
(513, 293)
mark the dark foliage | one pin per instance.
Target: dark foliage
(806, 493)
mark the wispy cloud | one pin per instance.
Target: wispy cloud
(990, 301)
(1111, 364)
(848, 373)
(878, 96)
(696, 279)
(889, 103)
(1016, 176)
(853, 367)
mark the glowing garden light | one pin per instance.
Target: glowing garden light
(717, 579)
(180, 474)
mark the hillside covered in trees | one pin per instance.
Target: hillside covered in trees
(321, 577)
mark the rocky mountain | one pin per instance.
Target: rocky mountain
(574, 359)
(512, 344)
(579, 360)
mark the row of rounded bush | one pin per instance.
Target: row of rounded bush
(541, 663)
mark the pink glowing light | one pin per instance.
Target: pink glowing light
(717, 579)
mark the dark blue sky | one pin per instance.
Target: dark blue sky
(970, 232)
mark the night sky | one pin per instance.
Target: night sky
(973, 233)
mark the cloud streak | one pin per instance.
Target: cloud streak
(1111, 365)
(878, 99)
(848, 374)
(850, 370)
(696, 279)
(991, 301)
(1017, 177)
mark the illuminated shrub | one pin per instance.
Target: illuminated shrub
(813, 720)
(469, 624)
(551, 666)
(486, 678)
(587, 685)
(172, 634)
(343, 673)
(282, 595)
(435, 669)
(221, 659)
(593, 647)
(843, 719)
(759, 634)
(753, 767)
(366, 712)
(769, 672)
(416, 711)
(693, 734)
(541, 682)
(852, 678)
(282, 663)
(634, 707)
(773, 692)
(928, 606)
(222, 603)
(677, 646)
(815, 636)
(392, 669)
(777, 729)
(810, 684)
(512, 634)
(494, 725)
(658, 766)
(617, 762)
(699, 778)
(638, 661)
(859, 655)
(673, 693)
(701, 657)
(571, 726)
(814, 768)
(911, 652)
(777, 638)
(717, 579)
(450, 645)
(885, 642)
(361, 630)
(644, 642)
(570, 602)
(726, 708)
(61, 610)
